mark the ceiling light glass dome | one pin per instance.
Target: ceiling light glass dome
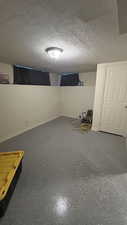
(54, 52)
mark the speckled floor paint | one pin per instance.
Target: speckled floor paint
(69, 178)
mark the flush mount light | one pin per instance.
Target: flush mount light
(54, 52)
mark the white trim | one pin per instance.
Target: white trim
(26, 129)
(113, 63)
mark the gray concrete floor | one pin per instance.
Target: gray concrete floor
(69, 178)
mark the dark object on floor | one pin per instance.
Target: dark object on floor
(87, 117)
(82, 127)
(10, 175)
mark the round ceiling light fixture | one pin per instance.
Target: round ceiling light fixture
(54, 52)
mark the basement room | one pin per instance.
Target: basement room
(63, 112)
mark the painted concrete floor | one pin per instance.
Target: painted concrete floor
(69, 178)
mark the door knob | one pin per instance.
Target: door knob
(125, 106)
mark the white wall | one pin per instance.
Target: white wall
(23, 107)
(75, 100)
(7, 68)
(54, 79)
(88, 78)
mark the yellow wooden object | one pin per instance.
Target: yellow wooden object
(85, 126)
(9, 162)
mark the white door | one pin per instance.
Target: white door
(114, 110)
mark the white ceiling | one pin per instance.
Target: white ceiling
(122, 15)
(87, 30)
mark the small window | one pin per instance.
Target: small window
(70, 79)
(29, 76)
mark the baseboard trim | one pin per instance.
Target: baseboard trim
(27, 129)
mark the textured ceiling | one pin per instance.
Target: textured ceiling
(122, 16)
(87, 30)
